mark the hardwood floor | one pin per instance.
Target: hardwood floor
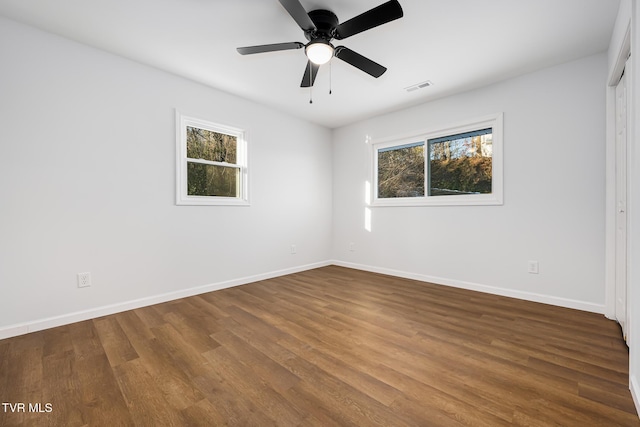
(325, 347)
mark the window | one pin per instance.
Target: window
(401, 170)
(211, 164)
(460, 165)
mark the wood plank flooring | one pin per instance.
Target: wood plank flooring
(330, 346)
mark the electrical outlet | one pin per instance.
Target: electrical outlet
(352, 247)
(84, 280)
(534, 267)
(294, 250)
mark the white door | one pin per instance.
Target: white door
(621, 205)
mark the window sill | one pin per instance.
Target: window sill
(208, 201)
(479, 200)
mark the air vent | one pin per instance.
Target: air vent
(419, 86)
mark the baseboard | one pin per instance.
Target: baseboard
(79, 316)
(528, 296)
(635, 392)
(52, 322)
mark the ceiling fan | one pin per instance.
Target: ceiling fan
(321, 27)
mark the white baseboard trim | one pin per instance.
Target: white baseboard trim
(79, 316)
(528, 296)
(635, 392)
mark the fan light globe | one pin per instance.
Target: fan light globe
(319, 52)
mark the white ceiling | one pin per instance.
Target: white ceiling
(457, 44)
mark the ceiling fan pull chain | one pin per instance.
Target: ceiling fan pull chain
(310, 83)
(330, 79)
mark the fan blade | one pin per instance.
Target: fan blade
(309, 74)
(382, 14)
(299, 14)
(359, 61)
(269, 48)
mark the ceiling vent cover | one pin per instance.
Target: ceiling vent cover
(419, 86)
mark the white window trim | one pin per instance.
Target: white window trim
(494, 121)
(182, 198)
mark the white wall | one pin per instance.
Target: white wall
(554, 188)
(87, 183)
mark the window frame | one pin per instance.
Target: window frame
(182, 196)
(495, 122)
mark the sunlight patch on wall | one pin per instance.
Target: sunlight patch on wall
(367, 209)
(367, 219)
(367, 193)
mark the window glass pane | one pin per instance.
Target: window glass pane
(461, 164)
(212, 146)
(401, 171)
(212, 180)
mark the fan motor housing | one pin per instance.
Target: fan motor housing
(325, 22)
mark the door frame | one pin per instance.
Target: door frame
(623, 53)
(621, 221)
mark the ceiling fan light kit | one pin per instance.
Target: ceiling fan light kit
(319, 51)
(320, 27)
